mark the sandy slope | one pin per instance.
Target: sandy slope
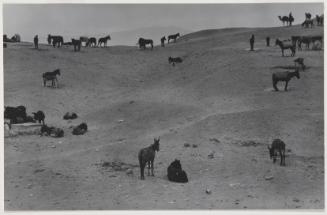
(219, 97)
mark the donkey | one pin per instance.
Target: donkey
(92, 42)
(51, 76)
(277, 146)
(84, 40)
(306, 40)
(15, 114)
(173, 37)
(284, 76)
(104, 41)
(77, 45)
(292, 47)
(39, 116)
(143, 42)
(295, 39)
(56, 40)
(146, 156)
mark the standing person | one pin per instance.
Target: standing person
(268, 41)
(290, 18)
(163, 41)
(252, 42)
(36, 41)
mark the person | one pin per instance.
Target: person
(36, 42)
(290, 18)
(252, 42)
(268, 41)
(163, 41)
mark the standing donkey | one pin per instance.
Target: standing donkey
(284, 76)
(277, 146)
(146, 156)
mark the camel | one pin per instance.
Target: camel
(284, 19)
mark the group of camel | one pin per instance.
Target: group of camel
(307, 22)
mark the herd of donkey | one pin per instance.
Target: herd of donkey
(146, 155)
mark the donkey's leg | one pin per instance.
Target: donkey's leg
(142, 171)
(281, 159)
(286, 85)
(275, 84)
(152, 167)
(149, 168)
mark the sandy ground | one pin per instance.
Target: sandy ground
(220, 98)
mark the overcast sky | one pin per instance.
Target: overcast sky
(83, 19)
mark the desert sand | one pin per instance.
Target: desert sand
(220, 98)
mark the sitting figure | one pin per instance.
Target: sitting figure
(175, 172)
(51, 131)
(70, 115)
(80, 129)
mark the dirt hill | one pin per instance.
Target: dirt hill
(219, 98)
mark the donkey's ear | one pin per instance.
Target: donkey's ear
(268, 147)
(158, 138)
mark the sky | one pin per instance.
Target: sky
(74, 20)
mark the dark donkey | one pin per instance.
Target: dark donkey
(104, 40)
(146, 156)
(277, 146)
(51, 76)
(305, 40)
(143, 42)
(173, 37)
(284, 76)
(92, 42)
(77, 45)
(292, 47)
(56, 40)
